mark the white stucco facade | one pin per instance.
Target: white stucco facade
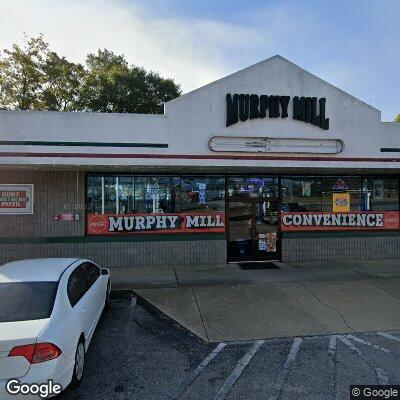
(179, 138)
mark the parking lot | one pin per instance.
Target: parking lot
(137, 353)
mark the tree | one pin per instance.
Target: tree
(111, 85)
(397, 119)
(35, 78)
(21, 74)
(62, 87)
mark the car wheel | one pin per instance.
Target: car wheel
(79, 364)
(107, 303)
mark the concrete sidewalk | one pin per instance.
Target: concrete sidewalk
(232, 274)
(225, 303)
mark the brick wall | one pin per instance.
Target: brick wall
(54, 193)
(39, 235)
(125, 254)
(372, 246)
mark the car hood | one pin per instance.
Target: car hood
(20, 330)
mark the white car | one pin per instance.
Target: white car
(49, 309)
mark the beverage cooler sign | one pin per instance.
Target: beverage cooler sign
(16, 199)
(114, 224)
(316, 221)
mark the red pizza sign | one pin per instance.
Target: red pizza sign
(114, 224)
(317, 221)
(16, 199)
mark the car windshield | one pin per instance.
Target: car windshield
(25, 301)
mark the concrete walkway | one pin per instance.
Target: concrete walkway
(225, 303)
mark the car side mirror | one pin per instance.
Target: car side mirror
(104, 271)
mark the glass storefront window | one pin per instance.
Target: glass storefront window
(94, 194)
(301, 194)
(110, 194)
(125, 198)
(346, 186)
(203, 193)
(380, 194)
(252, 187)
(157, 194)
(122, 194)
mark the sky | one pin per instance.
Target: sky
(352, 44)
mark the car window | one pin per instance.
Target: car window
(91, 272)
(26, 301)
(76, 287)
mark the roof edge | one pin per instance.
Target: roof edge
(277, 56)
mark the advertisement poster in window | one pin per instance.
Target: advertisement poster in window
(341, 202)
(306, 188)
(16, 199)
(377, 189)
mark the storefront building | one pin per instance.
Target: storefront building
(268, 163)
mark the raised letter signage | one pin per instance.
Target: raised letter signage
(251, 106)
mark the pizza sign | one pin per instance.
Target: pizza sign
(16, 199)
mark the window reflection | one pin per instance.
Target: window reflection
(203, 193)
(157, 194)
(252, 187)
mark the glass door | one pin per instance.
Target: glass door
(240, 237)
(265, 237)
(253, 230)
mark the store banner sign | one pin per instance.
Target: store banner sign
(318, 221)
(114, 224)
(16, 199)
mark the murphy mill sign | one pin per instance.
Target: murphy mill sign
(241, 107)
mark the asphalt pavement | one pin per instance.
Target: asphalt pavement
(138, 353)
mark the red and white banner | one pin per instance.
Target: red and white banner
(16, 199)
(323, 221)
(114, 224)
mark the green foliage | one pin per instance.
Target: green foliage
(62, 87)
(21, 75)
(34, 78)
(397, 119)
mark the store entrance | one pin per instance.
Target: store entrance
(253, 230)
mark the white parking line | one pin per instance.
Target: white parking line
(332, 347)
(381, 374)
(388, 336)
(286, 367)
(374, 346)
(383, 378)
(175, 393)
(240, 366)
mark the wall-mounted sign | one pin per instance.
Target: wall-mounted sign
(114, 224)
(254, 144)
(317, 221)
(241, 107)
(16, 199)
(341, 202)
